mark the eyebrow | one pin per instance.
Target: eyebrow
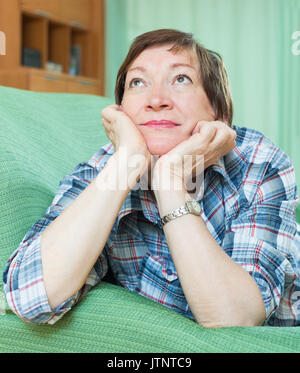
(139, 68)
(173, 66)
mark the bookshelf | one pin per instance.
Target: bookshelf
(41, 34)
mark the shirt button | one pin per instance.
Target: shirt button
(169, 272)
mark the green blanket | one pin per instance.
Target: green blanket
(43, 136)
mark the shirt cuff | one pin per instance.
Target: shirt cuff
(24, 286)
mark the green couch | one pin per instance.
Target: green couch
(42, 137)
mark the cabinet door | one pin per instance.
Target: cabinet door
(44, 82)
(84, 87)
(77, 12)
(15, 78)
(50, 8)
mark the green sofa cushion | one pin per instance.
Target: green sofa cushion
(43, 137)
(112, 319)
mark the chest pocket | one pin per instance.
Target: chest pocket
(161, 267)
(159, 280)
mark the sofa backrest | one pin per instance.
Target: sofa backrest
(43, 136)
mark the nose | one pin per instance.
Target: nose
(159, 99)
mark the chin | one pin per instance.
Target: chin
(160, 147)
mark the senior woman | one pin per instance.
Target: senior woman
(227, 258)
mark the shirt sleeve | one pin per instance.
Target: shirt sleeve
(23, 275)
(260, 237)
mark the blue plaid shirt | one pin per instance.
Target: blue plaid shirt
(248, 206)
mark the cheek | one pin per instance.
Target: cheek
(132, 105)
(197, 107)
(206, 109)
(128, 109)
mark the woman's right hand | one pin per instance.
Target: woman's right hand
(121, 131)
(125, 137)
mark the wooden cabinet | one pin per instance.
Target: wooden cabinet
(75, 12)
(43, 81)
(83, 86)
(46, 82)
(59, 41)
(48, 8)
(78, 12)
(52, 27)
(35, 35)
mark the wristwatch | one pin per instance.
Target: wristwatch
(190, 207)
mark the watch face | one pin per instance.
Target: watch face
(195, 207)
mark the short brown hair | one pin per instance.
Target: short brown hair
(213, 75)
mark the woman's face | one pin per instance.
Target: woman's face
(164, 97)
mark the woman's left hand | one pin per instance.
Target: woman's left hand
(209, 142)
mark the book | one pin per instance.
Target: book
(54, 67)
(31, 57)
(75, 62)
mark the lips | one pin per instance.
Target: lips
(161, 124)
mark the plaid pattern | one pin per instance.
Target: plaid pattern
(248, 205)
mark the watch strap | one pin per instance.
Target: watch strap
(183, 210)
(174, 214)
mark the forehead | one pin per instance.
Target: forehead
(159, 55)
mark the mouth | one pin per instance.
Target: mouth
(161, 124)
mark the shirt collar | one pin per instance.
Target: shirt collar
(219, 167)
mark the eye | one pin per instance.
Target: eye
(136, 83)
(183, 79)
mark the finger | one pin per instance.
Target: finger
(107, 128)
(202, 123)
(222, 144)
(198, 126)
(224, 138)
(110, 112)
(206, 132)
(106, 124)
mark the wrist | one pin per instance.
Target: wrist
(168, 201)
(121, 172)
(167, 179)
(132, 164)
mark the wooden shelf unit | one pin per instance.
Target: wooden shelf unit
(52, 27)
